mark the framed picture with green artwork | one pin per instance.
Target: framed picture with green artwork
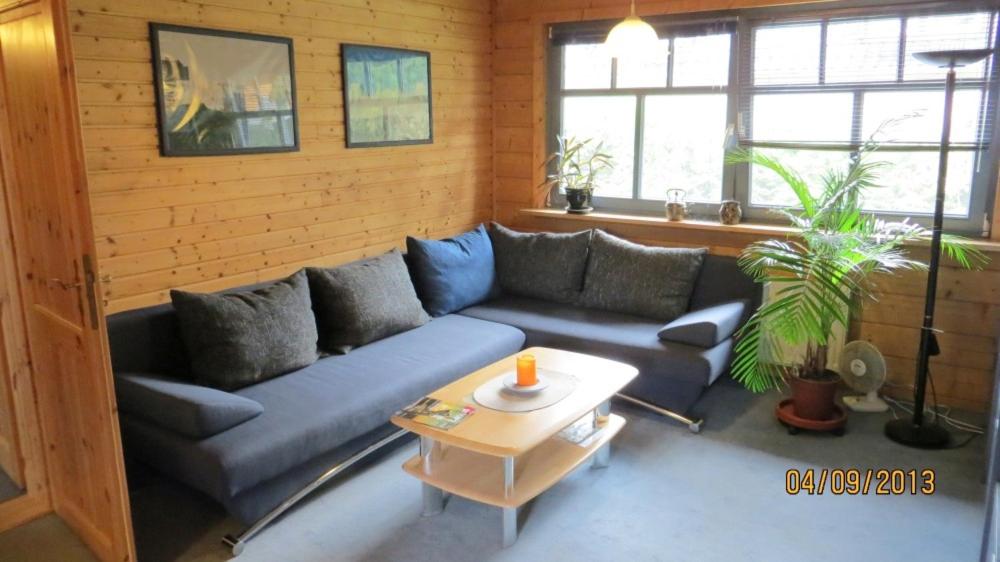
(223, 92)
(387, 96)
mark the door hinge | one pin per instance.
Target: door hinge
(90, 280)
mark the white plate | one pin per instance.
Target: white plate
(510, 385)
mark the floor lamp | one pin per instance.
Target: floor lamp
(915, 431)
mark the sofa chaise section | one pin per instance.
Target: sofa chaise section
(671, 375)
(316, 416)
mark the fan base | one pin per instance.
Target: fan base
(865, 403)
(924, 436)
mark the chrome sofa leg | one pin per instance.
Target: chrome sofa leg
(237, 543)
(694, 424)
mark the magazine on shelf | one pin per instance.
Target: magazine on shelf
(435, 413)
(582, 432)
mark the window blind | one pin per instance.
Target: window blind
(594, 32)
(851, 76)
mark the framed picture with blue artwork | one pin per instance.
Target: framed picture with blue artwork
(223, 92)
(387, 96)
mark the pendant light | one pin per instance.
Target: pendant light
(632, 37)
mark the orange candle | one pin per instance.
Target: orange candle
(526, 373)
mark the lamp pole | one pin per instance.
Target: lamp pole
(915, 431)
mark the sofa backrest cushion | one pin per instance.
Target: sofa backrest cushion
(453, 273)
(241, 338)
(188, 409)
(148, 340)
(721, 280)
(544, 265)
(364, 301)
(646, 281)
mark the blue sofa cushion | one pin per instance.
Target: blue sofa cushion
(364, 301)
(190, 410)
(313, 411)
(542, 265)
(453, 273)
(622, 337)
(646, 281)
(706, 327)
(241, 338)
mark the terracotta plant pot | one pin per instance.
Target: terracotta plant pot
(814, 399)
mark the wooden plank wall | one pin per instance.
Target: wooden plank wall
(969, 303)
(215, 222)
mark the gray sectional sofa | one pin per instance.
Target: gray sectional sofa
(253, 447)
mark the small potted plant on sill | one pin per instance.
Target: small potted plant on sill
(576, 169)
(822, 274)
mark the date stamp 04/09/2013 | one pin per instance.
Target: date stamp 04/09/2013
(860, 481)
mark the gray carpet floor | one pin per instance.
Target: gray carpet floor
(47, 539)
(668, 495)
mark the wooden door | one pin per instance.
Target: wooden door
(53, 238)
(10, 458)
(22, 434)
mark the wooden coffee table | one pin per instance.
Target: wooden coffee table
(505, 459)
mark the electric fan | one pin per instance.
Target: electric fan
(863, 369)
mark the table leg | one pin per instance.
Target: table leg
(433, 500)
(509, 514)
(509, 526)
(602, 457)
(433, 497)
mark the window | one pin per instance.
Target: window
(663, 118)
(806, 85)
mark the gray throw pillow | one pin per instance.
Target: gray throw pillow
(238, 339)
(641, 280)
(544, 265)
(364, 301)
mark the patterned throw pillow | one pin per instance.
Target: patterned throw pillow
(641, 280)
(544, 265)
(364, 301)
(238, 339)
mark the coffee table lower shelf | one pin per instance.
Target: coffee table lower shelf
(480, 477)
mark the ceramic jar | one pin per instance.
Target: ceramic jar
(730, 212)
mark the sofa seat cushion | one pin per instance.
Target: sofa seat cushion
(312, 411)
(622, 337)
(706, 327)
(191, 410)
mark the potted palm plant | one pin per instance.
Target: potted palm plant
(576, 168)
(821, 274)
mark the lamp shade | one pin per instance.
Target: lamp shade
(953, 58)
(632, 37)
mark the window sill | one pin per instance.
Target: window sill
(744, 229)
(646, 220)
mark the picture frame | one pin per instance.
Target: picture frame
(387, 96)
(223, 92)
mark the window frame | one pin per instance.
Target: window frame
(635, 203)
(736, 178)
